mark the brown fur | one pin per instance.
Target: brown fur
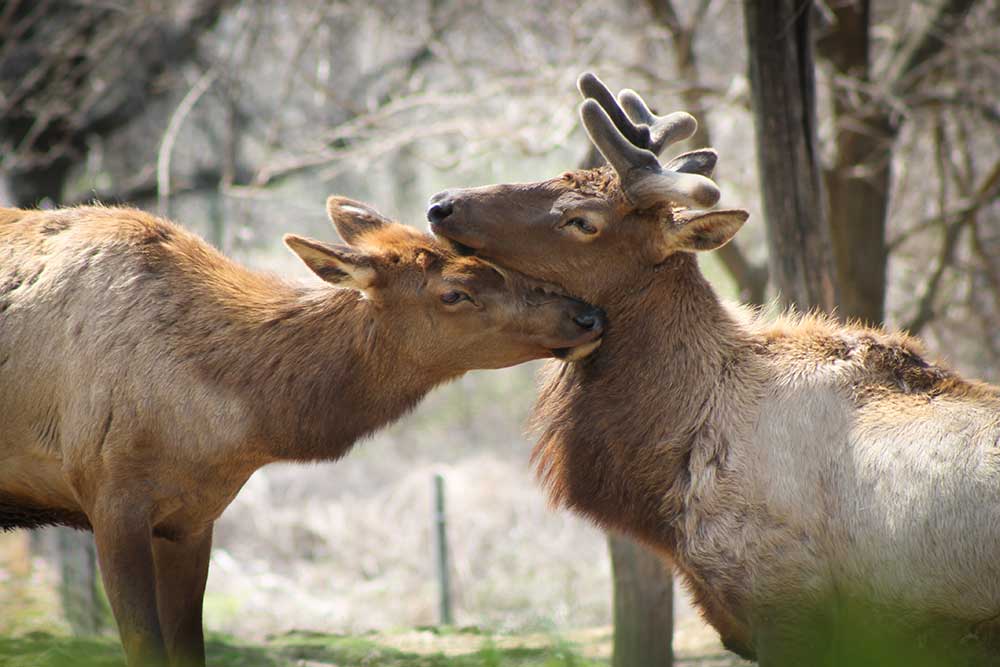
(144, 377)
(775, 464)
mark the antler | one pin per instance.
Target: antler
(630, 136)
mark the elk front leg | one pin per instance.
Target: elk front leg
(181, 572)
(125, 556)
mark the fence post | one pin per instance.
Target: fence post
(441, 549)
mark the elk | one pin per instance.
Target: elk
(144, 377)
(829, 494)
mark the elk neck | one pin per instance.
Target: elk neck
(617, 430)
(321, 367)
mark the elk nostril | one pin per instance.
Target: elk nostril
(590, 321)
(438, 211)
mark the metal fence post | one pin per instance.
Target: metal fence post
(441, 548)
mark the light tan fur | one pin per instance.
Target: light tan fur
(144, 377)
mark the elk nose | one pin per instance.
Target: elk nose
(592, 320)
(439, 210)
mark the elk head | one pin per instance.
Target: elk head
(449, 311)
(595, 231)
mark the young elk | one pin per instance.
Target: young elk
(829, 494)
(144, 377)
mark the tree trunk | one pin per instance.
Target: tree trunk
(72, 554)
(782, 83)
(643, 606)
(78, 592)
(859, 178)
(30, 189)
(858, 181)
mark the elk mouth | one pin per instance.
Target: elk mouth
(578, 352)
(465, 249)
(461, 248)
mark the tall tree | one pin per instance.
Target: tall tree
(783, 94)
(643, 606)
(867, 120)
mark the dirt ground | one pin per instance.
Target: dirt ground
(695, 643)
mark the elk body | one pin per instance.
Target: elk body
(830, 495)
(144, 377)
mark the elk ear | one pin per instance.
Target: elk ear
(704, 230)
(353, 218)
(338, 265)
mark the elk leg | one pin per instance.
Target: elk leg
(125, 556)
(181, 572)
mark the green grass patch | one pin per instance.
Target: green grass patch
(40, 649)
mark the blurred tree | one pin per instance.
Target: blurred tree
(869, 108)
(643, 606)
(74, 72)
(868, 113)
(783, 92)
(751, 279)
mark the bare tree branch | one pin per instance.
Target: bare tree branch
(144, 188)
(751, 279)
(913, 55)
(73, 72)
(170, 136)
(985, 192)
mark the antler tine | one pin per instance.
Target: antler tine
(635, 107)
(644, 181)
(592, 87)
(701, 161)
(620, 153)
(691, 190)
(664, 130)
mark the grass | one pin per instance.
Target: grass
(477, 649)
(34, 634)
(420, 647)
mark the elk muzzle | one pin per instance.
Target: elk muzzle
(440, 207)
(446, 225)
(588, 326)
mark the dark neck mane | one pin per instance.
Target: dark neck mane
(616, 431)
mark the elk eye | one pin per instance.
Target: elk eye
(453, 297)
(582, 225)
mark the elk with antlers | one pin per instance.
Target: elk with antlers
(829, 493)
(144, 377)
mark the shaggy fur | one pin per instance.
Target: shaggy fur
(829, 493)
(144, 377)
